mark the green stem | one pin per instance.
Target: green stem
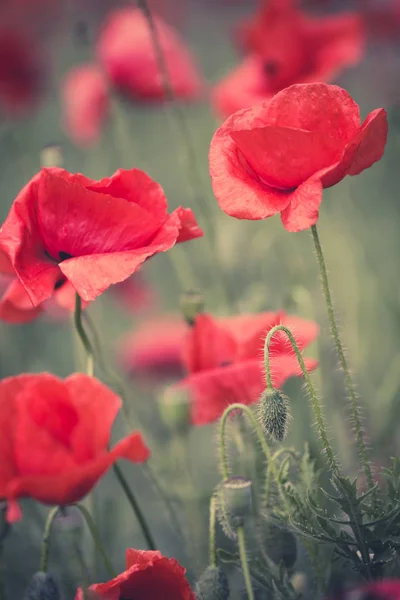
(267, 452)
(315, 403)
(44, 555)
(96, 538)
(211, 539)
(244, 563)
(136, 508)
(355, 411)
(128, 492)
(188, 156)
(83, 337)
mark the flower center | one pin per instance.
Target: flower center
(64, 255)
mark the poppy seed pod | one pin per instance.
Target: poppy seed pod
(191, 303)
(274, 414)
(174, 408)
(237, 495)
(42, 587)
(212, 585)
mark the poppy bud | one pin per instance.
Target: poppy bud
(51, 156)
(191, 303)
(42, 587)
(274, 414)
(212, 585)
(175, 409)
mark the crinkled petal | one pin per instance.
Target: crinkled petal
(237, 188)
(315, 107)
(284, 157)
(303, 210)
(189, 229)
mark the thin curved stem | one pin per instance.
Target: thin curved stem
(355, 411)
(136, 508)
(44, 554)
(83, 337)
(244, 563)
(96, 538)
(315, 403)
(267, 452)
(211, 539)
(188, 156)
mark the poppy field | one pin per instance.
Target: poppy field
(199, 300)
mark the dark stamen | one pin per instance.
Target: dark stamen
(270, 68)
(59, 284)
(64, 256)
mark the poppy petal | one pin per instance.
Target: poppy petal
(207, 345)
(303, 210)
(72, 485)
(16, 306)
(372, 140)
(189, 229)
(315, 107)
(237, 188)
(284, 157)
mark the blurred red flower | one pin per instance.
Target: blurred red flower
(135, 294)
(85, 103)
(153, 350)
(388, 589)
(55, 436)
(126, 52)
(279, 155)
(289, 47)
(382, 19)
(223, 358)
(149, 575)
(91, 233)
(22, 72)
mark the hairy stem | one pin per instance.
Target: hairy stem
(244, 563)
(211, 539)
(355, 410)
(267, 452)
(315, 403)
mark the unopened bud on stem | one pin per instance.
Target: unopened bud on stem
(274, 414)
(212, 585)
(42, 587)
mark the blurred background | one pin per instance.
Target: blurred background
(257, 266)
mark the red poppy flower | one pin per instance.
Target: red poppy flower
(126, 52)
(278, 156)
(223, 358)
(55, 436)
(388, 589)
(153, 350)
(289, 47)
(85, 103)
(21, 71)
(90, 233)
(149, 575)
(17, 307)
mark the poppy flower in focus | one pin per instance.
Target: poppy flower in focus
(223, 359)
(148, 575)
(287, 46)
(54, 445)
(153, 350)
(64, 226)
(21, 72)
(279, 155)
(85, 101)
(126, 52)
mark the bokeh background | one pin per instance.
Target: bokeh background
(264, 268)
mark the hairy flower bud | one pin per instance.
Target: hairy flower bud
(212, 585)
(191, 303)
(42, 587)
(174, 408)
(274, 414)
